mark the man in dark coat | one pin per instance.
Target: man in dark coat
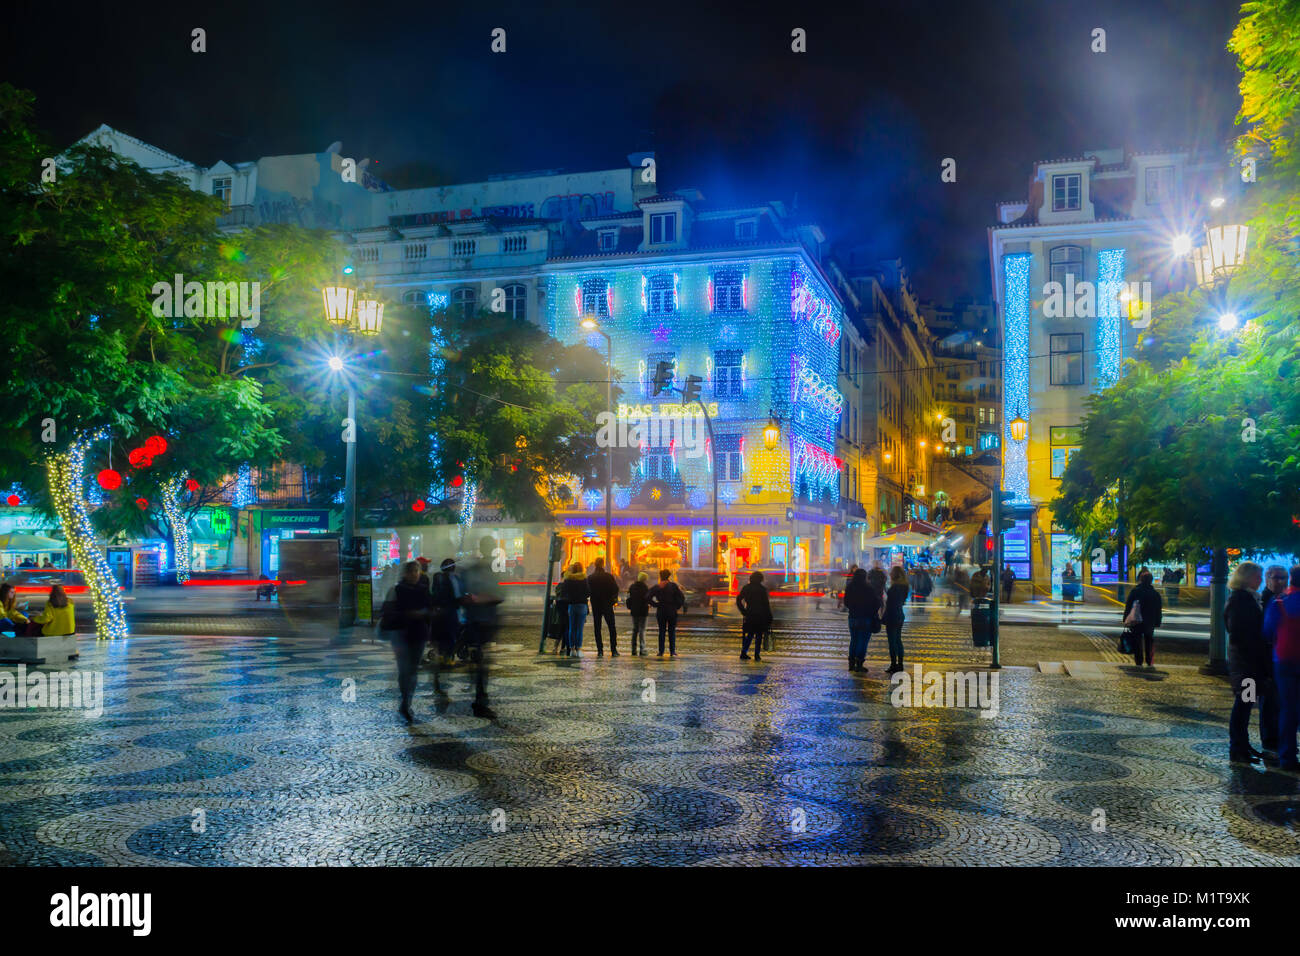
(756, 611)
(407, 618)
(1150, 607)
(1250, 659)
(483, 596)
(448, 592)
(604, 595)
(864, 606)
(667, 599)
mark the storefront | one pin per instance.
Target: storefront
(212, 533)
(270, 527)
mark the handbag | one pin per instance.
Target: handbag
(1125, 645)
(1134, 617)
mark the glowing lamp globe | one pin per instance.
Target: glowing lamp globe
(13, 500)
(1019, 428)
(109, 480)
(370, 316)
(771, 435)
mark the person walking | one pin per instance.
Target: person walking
(1250, 659)
(895, 601)
(1282, 632)
(1008, 584)
(639, 609)
(756, 615)
(962, 584)
(447, 596)
(575, 590)
(864, 606)
(1170, 580)
(560, 619)
(1142, 625)
(604, 595)
(667, 599)
(407, 619)
(1070, 591)
(483, 597)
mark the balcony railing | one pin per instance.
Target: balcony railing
(238, 216)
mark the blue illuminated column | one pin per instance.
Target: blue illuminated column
(1110, 282)
(1015, 280)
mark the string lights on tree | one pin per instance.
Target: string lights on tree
(181, 557)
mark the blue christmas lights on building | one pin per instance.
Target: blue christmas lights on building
(1016, 268)
(1110, 282)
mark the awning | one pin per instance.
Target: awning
(916, 526)
(30, 542)
(904, 539)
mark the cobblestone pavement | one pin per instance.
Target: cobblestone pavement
(791, 761)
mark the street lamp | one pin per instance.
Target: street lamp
(772, 434)
(1019, 428)
(339, 301)
(370, 315)
(591, 325)
(1223, 254)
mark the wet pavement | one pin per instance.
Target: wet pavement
(228, 750)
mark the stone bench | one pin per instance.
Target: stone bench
(38, 650)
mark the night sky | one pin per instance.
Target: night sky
(857, 127)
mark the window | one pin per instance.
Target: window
(517, 300)
(595, 297)
(746, 229)
(657, 463)
(661, 295)
(729, 291)
(221, 188)
(464, 247)
(1067, 359)
(466, 300)
(663, 227)
(415, 250)
(1060, 459)
(726, 374)
(981, 415)
(414, 297)
(1066, 260)
(1066, 192)
(608, 240)
(1160, 184)
(514, 244)
(992, 414)
(728, 457)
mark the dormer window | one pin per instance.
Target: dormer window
(1067, 192)
(608, 240)
(663, 227)
(746, 229)
(221, 188)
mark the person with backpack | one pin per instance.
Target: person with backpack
(756, 615)
(1282, 632)
(604, 595)
(1250, 658)
(639, 608)
(895, 601)
(576, 591)
(667, 599)
(864, 608)
(1142, 615)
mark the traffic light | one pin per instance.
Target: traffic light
(722, 542)
(691, 393)
(663, 377)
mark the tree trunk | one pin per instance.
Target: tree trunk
(177, 526)
(65, 474)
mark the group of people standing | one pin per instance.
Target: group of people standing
(451, 608)
(599, 592)
(873, 601)
(1264, 662)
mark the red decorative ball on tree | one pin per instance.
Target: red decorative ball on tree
(109, 480)
(155, 445)
(417, 506)
(457, 481)
(142, 503)
(140, 458)
(13, 500)
(191, 485)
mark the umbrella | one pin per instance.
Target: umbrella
(904, 539)
(30, 542)
(916, 526)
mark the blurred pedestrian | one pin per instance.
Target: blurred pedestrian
(1008, 584)
(559, 625)
(604, 595)
(424, 571)
(1070, 591)
(877, 578)
(1170, 580)
(756, 615)
(895, 601)
(961, 584)
(667, 599)
(639, 609)
(447, 598)
(864, 606)
(576, 591)
(483, 597)
(407, 619)
(853, 569)
(1142, 615)
(1250, 666)
(1282, 631)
